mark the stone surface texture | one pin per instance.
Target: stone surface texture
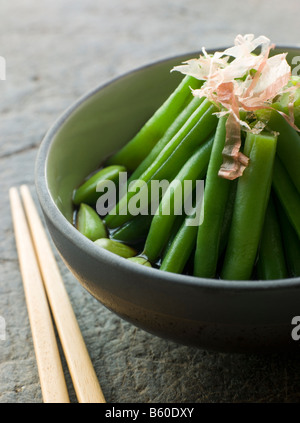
(55, 52)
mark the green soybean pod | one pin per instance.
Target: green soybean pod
(87, 192)
(271, 263)
(89, 223)
(137, 149)
(250, 205)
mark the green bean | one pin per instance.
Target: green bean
(194, 133)
(251, 200)
(175, 228)
(116, 247)
(287, 194)
(87, 192)
(288, 146)
(181, 248)
(291, 243)
(168, 135)
(171, 204)
(271, 262)
(227, 217)
(89, 223)
(283, 103)
(216, 195)
(137, 149)
(133, 231)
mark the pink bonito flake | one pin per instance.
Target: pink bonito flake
(238, 80)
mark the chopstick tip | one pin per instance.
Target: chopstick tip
(24, 188)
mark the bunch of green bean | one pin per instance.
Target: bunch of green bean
(243, 229)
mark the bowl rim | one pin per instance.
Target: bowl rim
(61, 224)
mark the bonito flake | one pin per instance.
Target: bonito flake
(238, 80)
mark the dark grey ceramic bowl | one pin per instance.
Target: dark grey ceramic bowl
(217, 315)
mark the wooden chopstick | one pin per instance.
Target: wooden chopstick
(83, 376)
(53, 385)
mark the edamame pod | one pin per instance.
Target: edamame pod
(88, 193)
(89, 223)
(250, 205)
(116, 247)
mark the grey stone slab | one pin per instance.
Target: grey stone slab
(55, 52)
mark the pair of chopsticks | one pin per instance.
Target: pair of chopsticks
(46, 297)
